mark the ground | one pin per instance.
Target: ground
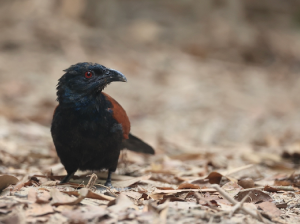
(220, 109)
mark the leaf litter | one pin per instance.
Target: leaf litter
(158, 193)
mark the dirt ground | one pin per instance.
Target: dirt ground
(213, 86)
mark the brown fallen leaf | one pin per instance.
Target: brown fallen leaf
(6, 180)
(122, 203)
(59, 198)
(254, 196)
(188, 186)
(284, 182)
(270, 208)
(39, 209)
(270, 189)
(91, 194)
(232, 188)
(133, 194)
(218, 178)
(127, 183)
(293, 179)
(39, 197)
(246, 183)
(160, 212)
(82, 214)
(282, 205)
(170, 198)
(183, 190)
(184, 195)
(156, 196)
(21, 183)
(165, 188)
(32, 194)
(214, 178)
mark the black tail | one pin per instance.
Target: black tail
(137, 145)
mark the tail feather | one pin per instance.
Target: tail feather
(137, 145)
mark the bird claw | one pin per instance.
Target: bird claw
(111, 189)
(108, 184)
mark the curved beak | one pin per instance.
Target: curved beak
(115, 75)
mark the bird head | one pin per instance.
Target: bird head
(85, 80)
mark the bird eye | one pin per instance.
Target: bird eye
(88, 75)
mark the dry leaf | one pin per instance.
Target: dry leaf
(127, 183)
(170, 198)
(246, 183)
(156, 196)
(160, 212)
(165, 188)
(214, 178)
(91, 194)
(59, 198)
(133, 194)
(293, 179)
(188, 186)
(39, 209)
(183, 190)
(21, 183)
(254, 196)
(282, 205)
(270, 189)
(32, 194)
(122, 203)
(270, 208)
(43, 197)
(81, 215)
(232, 188)
(6, 180)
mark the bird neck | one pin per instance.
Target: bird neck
(91, 102)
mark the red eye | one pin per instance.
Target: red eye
(88, 75)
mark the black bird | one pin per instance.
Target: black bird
(89, 127)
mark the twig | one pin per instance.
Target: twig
(235, 170)
(234, 202)
(20, 195)
(82, 183)
(92, 181)
(237, 206)
(284, 188)
(211, 219)
(108, 188)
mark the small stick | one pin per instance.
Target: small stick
(108, 188)
(237, 206)
(92, 181)
(234, 202)
(284, 188)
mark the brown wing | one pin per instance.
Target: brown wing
(54, 110)
(119, 115)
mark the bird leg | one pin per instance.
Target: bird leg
(108, 179)
(68, 177)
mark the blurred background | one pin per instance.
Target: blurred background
(199, 73)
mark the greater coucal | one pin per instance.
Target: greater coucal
(89, 127)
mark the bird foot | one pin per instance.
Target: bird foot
(108, 184)
(110, 189)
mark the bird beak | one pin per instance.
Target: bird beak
(115, 75)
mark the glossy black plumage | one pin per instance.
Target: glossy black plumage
(89, 128)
